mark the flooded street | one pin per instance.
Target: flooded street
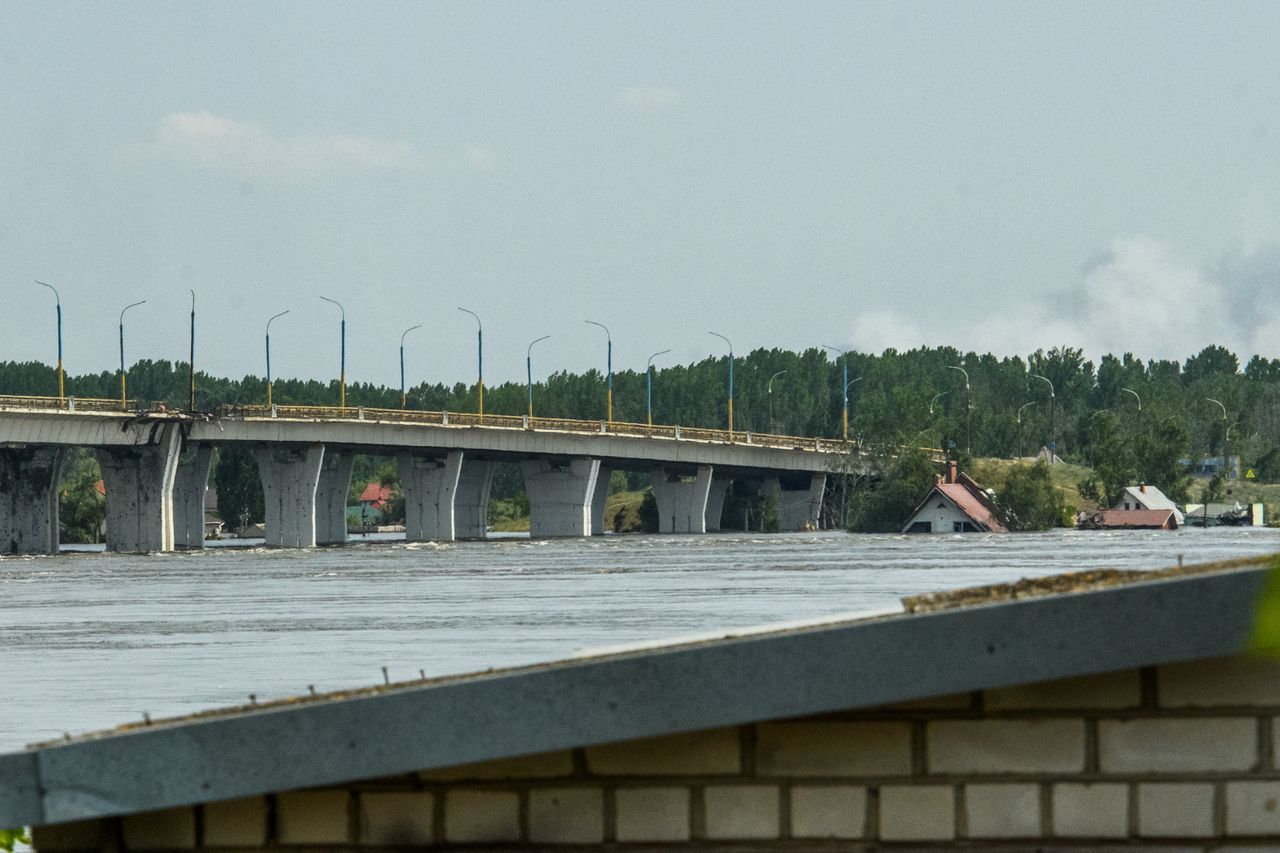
(89, 640)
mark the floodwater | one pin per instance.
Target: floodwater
(90, 640)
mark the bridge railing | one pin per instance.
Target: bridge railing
(472, 419)
(66, 404)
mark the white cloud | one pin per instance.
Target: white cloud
(217, 141)
(1141, 297)
(650, 98)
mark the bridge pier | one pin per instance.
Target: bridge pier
(331, 497)
(471, 499)
(682, 505)
(290, 477)
(715, 501)
(430, 486)
(799, 509)
(29, 499)
(599, 496)
(190, 486)
(560, 496)
(139, 482)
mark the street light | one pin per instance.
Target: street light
(1020, 410)
(479, 360)
(269, 322)
(124, 400)
(772, 426)
(844, 381)
(609, 338)
(62, 395)
(936, 398)
(730, 343)
(1053, 446)
(404, 400)
(968, 409)
(191, 363)
(1135, 396)
(342, 364)
(528, 364)
(648, 375)
(1225, 431)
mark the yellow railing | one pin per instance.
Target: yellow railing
(462, 419)
(66, 404)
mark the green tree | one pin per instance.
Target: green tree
(885, 507)
(239, 488)
(1029, 499)
(81, 507)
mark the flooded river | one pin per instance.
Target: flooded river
(89, 640)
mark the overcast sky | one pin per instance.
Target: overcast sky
(996, 176)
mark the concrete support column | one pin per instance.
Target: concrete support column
(139, 482)
(560, 496)
(598, 498)
(289, 480)
(799, 509)
(715, 501)
(331, 497)
(471, 499)
(430, 484)
(190, 486)
(29, 499)
(682, 506)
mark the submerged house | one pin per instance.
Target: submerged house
(956, 504)
(1144, 497)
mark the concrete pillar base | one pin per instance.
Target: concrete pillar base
(190, 486)
(599, 496)
(471, 499)
(799, 509)
(429, 484)
(29, 499)
(682, 506)
(290, 477)
(715, 501)
(139, 482)
(560, 496)
(331, 497)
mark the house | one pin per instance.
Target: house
(1143, 496)
(376, 496)
(955, 504)
(1129, 519)
(1110, 709)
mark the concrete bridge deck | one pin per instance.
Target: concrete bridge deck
(156, 464)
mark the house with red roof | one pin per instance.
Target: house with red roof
(956, 504)
(376, 496)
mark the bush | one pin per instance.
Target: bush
(886, 507)
(1029, 499)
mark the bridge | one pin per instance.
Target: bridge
(155, 468)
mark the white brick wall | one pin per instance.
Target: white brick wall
(1110, 690)
(1090, 811)
(1006, 746)
(313, 817)
(1002, 811)
(236, 823)
(712, 752)
(396, 818)
(917, 813)
(652, 814)
(1178, 744)
(1253, 808)
(1223, 682)
(1175, 810)
(828, 811)
(741, 811)
(480, 816)
(566, 815)
(172, 829)
(833, 749)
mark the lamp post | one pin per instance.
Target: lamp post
(62, 395)
(1135, 396)
(968, 409)
(269, 322)
(124, 400)
(479, 360)
(191, 362)
(609, 365)
(1053, 446)
(1225, 430)
(730, 343)
(936, 398)
(1020, 410)
(342, 363)
(404, 399)
(648, 391)
(844, 381)
(528, 366)
(773, 427)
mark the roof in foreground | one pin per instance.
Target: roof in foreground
(962, 640)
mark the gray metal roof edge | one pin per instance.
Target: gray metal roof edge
(649, 693)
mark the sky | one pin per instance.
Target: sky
(996, 176)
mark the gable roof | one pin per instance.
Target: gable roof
(1131, 519)
(1152, 498)
(969, 498)
(977, 639)
(376, 495)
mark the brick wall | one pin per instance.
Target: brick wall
(1183, 753)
